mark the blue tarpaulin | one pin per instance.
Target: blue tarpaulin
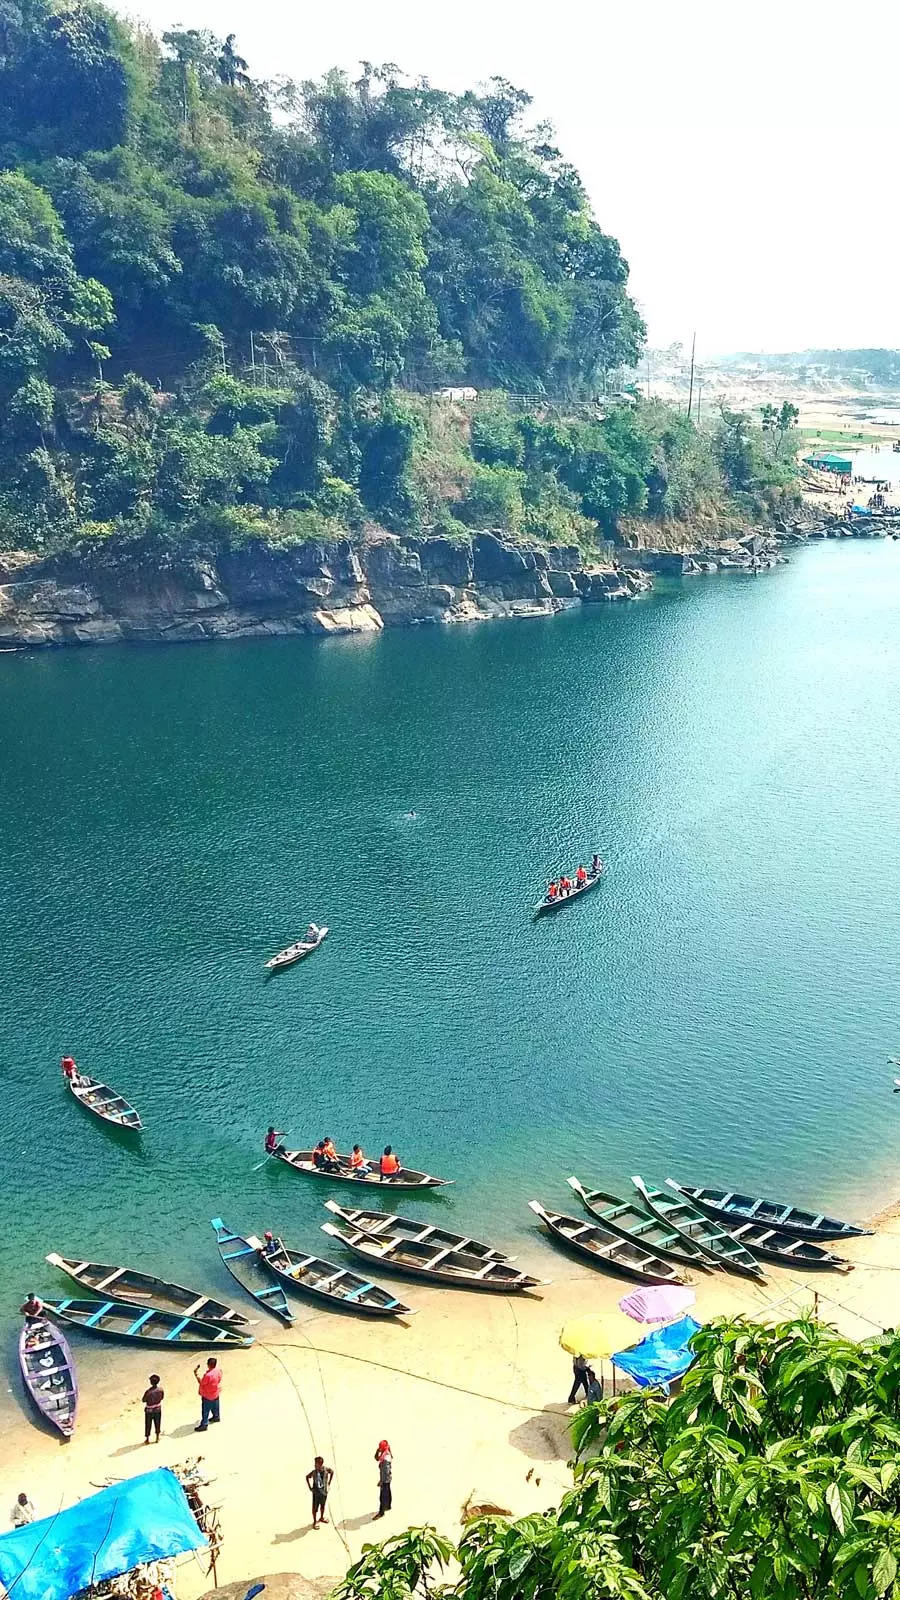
(143, 1519)
(662, 1356)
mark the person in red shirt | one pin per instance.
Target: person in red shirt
(69, 1069)
(209, 1386)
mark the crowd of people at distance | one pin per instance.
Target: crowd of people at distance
(325, 1157)
(560, 887)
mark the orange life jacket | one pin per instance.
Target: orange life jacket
(357, 1159)
(552, 892)
(330, 1151)
(390, 1164)
(581, 875)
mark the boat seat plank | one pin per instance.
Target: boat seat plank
(363, 1288)
(232, 1255)
(101, 1311)
(177, 1329)
(110, 1278)
(139, 1321)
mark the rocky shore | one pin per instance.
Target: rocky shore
(119, 593)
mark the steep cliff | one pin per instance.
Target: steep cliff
(112, 593)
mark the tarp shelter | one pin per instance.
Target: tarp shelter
(660, 1357)
(144, 1519)
(827, 461)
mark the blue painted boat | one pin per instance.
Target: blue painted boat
(242, 1258)
(115, 1319)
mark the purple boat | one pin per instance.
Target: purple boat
(48, 1372)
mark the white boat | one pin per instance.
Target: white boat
(296, 952)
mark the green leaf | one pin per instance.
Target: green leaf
(834, 1503)
(884, 1571)
(518, 1561)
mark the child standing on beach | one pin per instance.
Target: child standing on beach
(318, 1481)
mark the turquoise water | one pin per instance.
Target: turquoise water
(721, 1008)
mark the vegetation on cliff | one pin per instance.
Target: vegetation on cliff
(227, 307)
(772, 1476)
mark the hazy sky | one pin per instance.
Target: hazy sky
(743, 154)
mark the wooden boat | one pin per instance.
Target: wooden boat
(406, 1178)
(324, 1281)
(116, 1319)
(606, 1250)
(142, 1288)
(296, 952)
(432, 1262)
(48, 1373)
(380, 1223)
(631, 1221)
(787, 1249)
(593, 878)
(714, 1241)
(105, 1103)
(727, 1206)
(241, 1257)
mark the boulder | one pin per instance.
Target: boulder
(444, 560)
(562, 584)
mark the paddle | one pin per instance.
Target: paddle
(267, 1157)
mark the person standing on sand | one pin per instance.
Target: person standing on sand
(153, 1399)
(385, 1475)
(580, 1378)
(209, 1386)
(318, 1481)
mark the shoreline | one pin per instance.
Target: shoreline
(471, 1394)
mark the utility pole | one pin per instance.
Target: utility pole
(699, 396)
(691, 391)
(224, 362)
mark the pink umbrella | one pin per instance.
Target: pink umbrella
(663, 1303)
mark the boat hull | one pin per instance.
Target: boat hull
(110, 1108)
(116, 1319)
(716, 1242)
(242, 1259)
(545, 906)
(769, 1213)
(603, 1207)
(298, 1271)
(459, 1272)
(293, 953)
(582, 1240)
(48, 1373)
(145, 1289)
(407, 1178)
(377, 1224)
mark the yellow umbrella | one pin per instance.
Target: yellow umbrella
(597, 1334)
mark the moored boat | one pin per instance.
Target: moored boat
(630, 1221)
(296, 951)
(242, 1258)
(406, 1178)
(432, 1261)
(116, 1319)
(605, 1250)
(105, 1103)
(311, 1275)
(548, 904)
(380, 1223)
(786, 1249)
(713, 1240)
(48, 1373)
(733, 1208)
(143, 1288)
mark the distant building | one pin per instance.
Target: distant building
(828, 462)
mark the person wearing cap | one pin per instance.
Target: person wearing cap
(271, 1245)
(385, 1476)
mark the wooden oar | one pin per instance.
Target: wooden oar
(268, 1155)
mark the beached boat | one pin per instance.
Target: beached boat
(116, 1319)
(105, 1103)
(406, 1178)
(630, 1221)
(296, 952)
(713, 1240)
(143, 1288)
(593, 878)
(732, 1208)
(432, 1262)
(241, 1257)
(786, 1249)
(346, 1290)
(381, 1223)
(48, 1373)
(606, 1250)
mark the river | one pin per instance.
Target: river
(720, 1009)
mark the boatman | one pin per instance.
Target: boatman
(273, 1147)
(580, 877)
(389, 1164)
(596, 864)
(271, 1245)
(33, 1309)
(69, 1069)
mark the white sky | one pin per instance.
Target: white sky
(742, 151)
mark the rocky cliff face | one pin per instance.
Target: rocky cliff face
(113, 594)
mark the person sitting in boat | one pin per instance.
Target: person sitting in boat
(359, 1166)
(553, 890)
(325, 1157)
(389, 1165)
(311, 934)
(596, 865)
(318, 1156)
(33, 1308)
(271, 1245)
(580, 877)
(565, 884)
(69, 1069)
(273, 1143)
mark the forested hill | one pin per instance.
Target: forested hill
(223, 303)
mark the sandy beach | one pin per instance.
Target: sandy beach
(471, 1395)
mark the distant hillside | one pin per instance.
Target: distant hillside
(879, 366)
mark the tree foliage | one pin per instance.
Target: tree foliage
(773, 1475)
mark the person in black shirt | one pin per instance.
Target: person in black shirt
(153, 1399)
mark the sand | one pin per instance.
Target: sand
(471, 1395)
